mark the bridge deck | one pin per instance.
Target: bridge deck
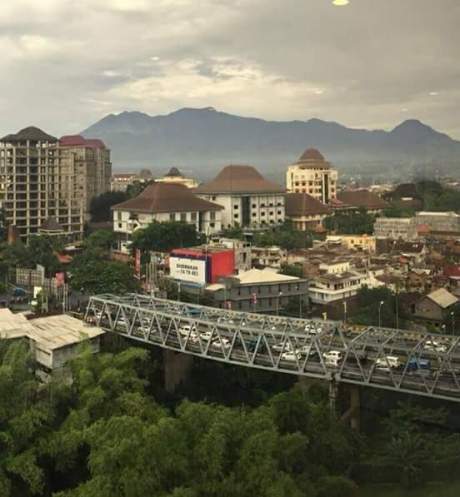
(399, 360)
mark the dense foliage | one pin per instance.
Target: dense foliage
(100, 205)
(106, 436)
(284, 236)
(358, 222)
(437, 198)
(163, 237)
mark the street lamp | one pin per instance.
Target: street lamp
(345, 312)
(452, 315)
(380, 312)
(178, 291)
(278, 303)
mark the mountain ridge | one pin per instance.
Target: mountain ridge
(205, 139)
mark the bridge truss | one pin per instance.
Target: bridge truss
(399, 360)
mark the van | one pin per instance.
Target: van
(388, 362)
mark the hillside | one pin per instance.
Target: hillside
(201, 141)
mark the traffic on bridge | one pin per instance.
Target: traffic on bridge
(399, 360)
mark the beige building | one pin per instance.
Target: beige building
(313, 175)
(305, 212)
(248, 199)
(89, 159)
(120, 181)
(364, 243)
(176, 177)
(43, 178)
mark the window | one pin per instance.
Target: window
(172, 216)
(262, 214)
(183, 216)
(271, 213)
(254, 206)
(235, 206)
(120, 225)
(280, 213)
(236, 216)
(193, 216)
(212, 216)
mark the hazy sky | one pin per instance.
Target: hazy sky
(371, 63)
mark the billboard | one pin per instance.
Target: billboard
(187, 269)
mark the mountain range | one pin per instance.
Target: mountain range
(202, 141)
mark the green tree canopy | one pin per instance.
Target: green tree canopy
(358, 222)
(100, 205)
(163, 237)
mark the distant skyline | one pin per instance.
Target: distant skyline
(364, 63)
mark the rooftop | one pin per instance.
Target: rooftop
(302, 204)
(13, 325)
(174, 172)
(31, 133)
(239, 179)
(256, 276)
(167, 197)
(80, 141)
(443, 298)
(362, 198)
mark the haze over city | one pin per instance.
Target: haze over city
(363, 63)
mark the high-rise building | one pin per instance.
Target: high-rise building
(43, 178)
(312, 174)
(90, 161)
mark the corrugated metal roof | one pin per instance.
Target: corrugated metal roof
(443, 298)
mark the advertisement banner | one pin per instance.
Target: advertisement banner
(192, 270)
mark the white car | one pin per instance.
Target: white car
(434, 346)
(206, 335)
(292, 355)
(387, 363)
(332, 358)
(280, 347)
(186, 329)
(222, 344)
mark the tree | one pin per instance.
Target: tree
(163, 237)
(100, 206)
(92, 274)
(369, 307)
(292, 270)
(137, 187)
(100, 240)
(358, 222)
(284, 236)
(42, 250)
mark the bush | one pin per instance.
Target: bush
(336, 486)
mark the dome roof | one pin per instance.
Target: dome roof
(174, 172)
(311, 154)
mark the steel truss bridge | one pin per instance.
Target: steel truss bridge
(398, 360)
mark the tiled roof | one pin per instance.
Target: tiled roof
(239, 179)
(311, 154)
(167, 197)
(80, 141)
(30, 133)
(302, 204)
(362, 198)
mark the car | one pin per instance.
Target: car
(222, 344)
(388, 362)
(206, 335)
(282, 346)
(186, 329)
(434, 346)
(332, 358)
(292, 355)
(194, 337)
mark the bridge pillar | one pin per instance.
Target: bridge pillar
(176, 368)
(354, 410)
(333, 392)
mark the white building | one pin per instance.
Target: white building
(313, 175)
(339, 282)
(164, 202)
(248, 199)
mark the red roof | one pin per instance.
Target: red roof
(452, 271)
(312, 154)
(80, 141)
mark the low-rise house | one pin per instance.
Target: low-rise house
(362, 199)
(364, 243)
(433, 309)
(339, 282)
(396, 228)
(258, 290)
(271, 257)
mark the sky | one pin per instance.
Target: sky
(363, 63)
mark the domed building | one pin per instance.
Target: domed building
(176, 177)
(313, 175)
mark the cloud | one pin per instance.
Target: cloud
(72, 61)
